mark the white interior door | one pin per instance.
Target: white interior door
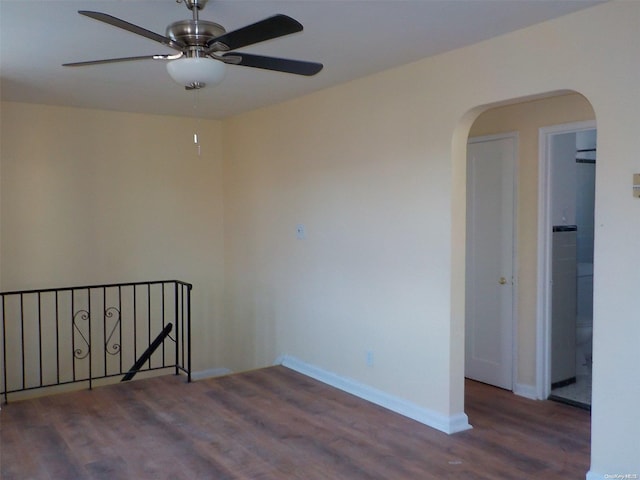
(491, 168)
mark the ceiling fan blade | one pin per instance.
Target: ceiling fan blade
(272, 27)
(298, 67)
(130, 27)
(124, 59)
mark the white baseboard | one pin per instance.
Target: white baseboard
(448, 424)
(527, 391)
(212, 372)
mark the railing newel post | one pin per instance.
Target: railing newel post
(135, 321)
(178, 327)
(189, 333)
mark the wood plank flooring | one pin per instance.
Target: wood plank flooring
(277, 424)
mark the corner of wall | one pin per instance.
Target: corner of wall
(526, 391)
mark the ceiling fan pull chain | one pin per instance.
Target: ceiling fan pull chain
(196, 139)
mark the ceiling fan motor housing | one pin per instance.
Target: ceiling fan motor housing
(194, 32)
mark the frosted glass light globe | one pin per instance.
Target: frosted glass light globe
(196, 72)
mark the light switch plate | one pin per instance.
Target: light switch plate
(636, 185)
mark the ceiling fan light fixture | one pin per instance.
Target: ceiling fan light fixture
(196, 72)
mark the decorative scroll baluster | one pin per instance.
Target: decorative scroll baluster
(111, 344)
(79, 352)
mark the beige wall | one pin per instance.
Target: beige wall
(370, 276)
(526, 119)
(375, 169)
(99, 197)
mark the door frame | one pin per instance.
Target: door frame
(543, 301)
(514, 251)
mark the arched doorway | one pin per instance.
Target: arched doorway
(527, 118)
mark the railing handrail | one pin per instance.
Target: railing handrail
(85, 287)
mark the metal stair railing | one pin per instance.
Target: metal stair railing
(60, 336)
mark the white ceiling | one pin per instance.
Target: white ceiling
(352, 38)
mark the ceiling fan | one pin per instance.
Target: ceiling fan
(204, 47)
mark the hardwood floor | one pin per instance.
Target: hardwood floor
(277, 424)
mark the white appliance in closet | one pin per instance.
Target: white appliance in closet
(563, 305)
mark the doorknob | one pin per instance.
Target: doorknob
(502, 281)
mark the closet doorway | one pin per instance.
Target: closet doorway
(491, 219)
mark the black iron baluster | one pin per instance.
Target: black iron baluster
(22, 338)
(40, 334)
(120, 330)
(104, 327)
(184, 333)
(162, 285)
(135, 322)
(57, 339)
(188, 332)
(73, 334)
(90, 340)
(4, 351)
(149, 319)
(178, 327)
